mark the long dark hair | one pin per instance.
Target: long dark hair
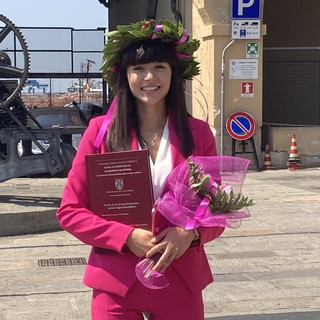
(126, 115)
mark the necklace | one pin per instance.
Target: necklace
(153, 141)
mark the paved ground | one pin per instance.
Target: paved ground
(268, 269)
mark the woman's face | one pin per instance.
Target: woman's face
(150, 82)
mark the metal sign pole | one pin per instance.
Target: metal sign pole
(223, 69)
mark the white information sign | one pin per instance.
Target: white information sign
(245, 29)
(243, 69)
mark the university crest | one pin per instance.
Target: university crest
(118, 183)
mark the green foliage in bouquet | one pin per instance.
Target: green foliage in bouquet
(222, 201)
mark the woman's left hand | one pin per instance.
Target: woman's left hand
(172, 243)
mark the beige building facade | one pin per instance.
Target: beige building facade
(222, 88)
(284, 74)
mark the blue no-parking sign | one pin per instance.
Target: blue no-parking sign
(241, 125)
(246, 9)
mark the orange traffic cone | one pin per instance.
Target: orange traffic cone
(294, 162)
(267, 164)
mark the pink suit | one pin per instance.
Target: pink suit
(112, 270)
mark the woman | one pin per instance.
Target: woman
(145, 64)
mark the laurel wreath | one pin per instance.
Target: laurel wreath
(125, 35)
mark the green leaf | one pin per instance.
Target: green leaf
(137, 33)
(122, 28)
(113, 33)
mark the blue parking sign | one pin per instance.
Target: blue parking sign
(246, 9)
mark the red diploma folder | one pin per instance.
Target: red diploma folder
(120, 187)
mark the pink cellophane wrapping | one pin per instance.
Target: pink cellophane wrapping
(182, 207)
(149, 278)
(179, 203)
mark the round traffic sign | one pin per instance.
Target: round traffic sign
(241, 125)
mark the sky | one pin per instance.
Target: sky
(77, 14)
(58, 13)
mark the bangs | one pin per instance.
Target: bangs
(148, 51)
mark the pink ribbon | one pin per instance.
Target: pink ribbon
(114, 69)
(105, 124)
(183, 38)
(198, 214)
(182, 56)
(157, 28)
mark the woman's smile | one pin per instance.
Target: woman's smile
(150, 88)
(150, 82)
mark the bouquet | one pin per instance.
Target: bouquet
(203, 191)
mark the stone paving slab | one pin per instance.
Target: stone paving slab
(30, 291)
(268, 269)
(28, 205)
(271, 264)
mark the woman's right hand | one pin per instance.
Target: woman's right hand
(139, 241)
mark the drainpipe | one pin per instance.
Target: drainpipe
(175, 11)
(152, 9)
(223, 69)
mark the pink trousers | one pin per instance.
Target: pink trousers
(171, 303)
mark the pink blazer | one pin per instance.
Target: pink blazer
(113, 269)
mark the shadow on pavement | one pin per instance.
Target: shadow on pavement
(312, 315)
(31, 201)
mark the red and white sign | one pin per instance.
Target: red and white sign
(241, 125)
(247, 89)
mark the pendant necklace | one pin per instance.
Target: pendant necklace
(154, 140)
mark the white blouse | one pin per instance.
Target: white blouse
(162, 165)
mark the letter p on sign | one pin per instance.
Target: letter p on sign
(242, 4)
(246, 9)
